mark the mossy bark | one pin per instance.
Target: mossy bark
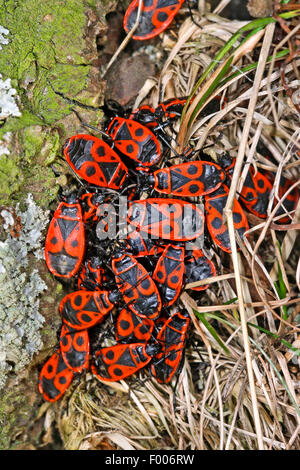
(51, 59)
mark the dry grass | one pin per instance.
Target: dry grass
(239, 388)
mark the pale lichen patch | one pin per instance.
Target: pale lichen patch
(8, 106)
(20, 289)
(3, 32)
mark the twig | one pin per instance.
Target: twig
(126, 40)
(229, 216)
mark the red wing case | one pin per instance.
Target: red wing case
(168, 274)
(135, 141)
(55, 378)
(290, 202)
(190, 179)
(214, 207)
(130, 328)
(83, 309)
(75, 348)
(156, 16)
(65, 241)
(95, 161)
(117, 362)
(172, 337)
(169, 219)
(137, 287)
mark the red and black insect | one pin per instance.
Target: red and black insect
(92, 275)
(156, 16)
(256, 190)
(255, 193)
(55, 378)
(75, 348)
(136, 286)
(65, 241)
(117, 362)
(168, 274)
(95, 161)
(170, 219)
(170, 109)
(290, 202)
(145, 115)
(89, 203)
(195, 178)
(141, 246)
(172, 337)
(135, 141)
(214, 206)
(150, 117)
(83, 309)
(198, 267)
(131, 328)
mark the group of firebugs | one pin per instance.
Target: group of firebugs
(137, 282)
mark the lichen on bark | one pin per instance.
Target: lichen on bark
(45, 48)
(48, 51)
(47, 54)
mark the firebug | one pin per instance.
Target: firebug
(75, 348)
(83, 309)
(117, 362)
(170, 219)
(65, 240)
(168, 274)
(156, 16)
(189, 179)
(172, 337)
(131, 328)
(214, 206)
(135, 141)
(137, 287)
(95, 161)
(55, 378)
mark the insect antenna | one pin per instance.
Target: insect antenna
(89, 126)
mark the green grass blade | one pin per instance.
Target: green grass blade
(281, 287)
(278, 375)
(283, 341)
(201, 317)
(211, 88)
(250, 67)
(253, 26)
(231, 301)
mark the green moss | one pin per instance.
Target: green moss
(42, 183)
(10, 401)
(11, 177)
(46, 43)
(27, 167)
(32, 143)
(15, 123)
(39, 145)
